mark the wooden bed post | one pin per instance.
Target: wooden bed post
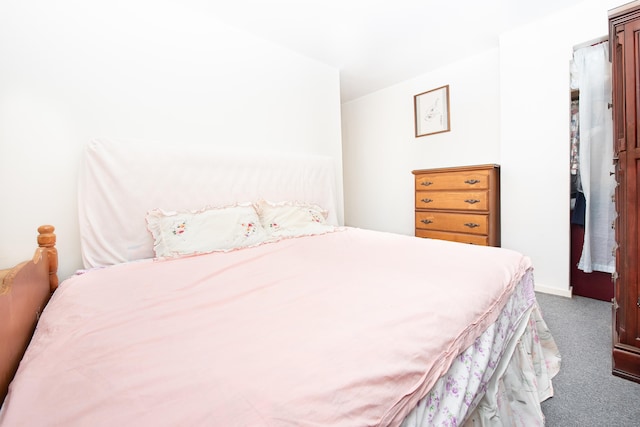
(24, 292)
(47, 241)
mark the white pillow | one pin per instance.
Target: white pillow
(290, 219)
(207, 230)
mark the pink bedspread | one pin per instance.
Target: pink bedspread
(349, 328)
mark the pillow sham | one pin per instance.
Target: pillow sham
(212, 229)
(290, 219)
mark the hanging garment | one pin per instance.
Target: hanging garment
(596, 157)
(578, 214)
(575, 136)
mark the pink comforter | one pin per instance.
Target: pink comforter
(349, 328)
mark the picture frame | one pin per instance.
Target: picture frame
(431, 111)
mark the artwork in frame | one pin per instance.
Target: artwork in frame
(431, 110)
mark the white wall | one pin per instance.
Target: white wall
(153, 70)
(534, 97)
(380, 148)
(508, 106)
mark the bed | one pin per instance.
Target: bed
(219, 289)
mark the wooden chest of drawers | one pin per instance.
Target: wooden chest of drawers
(461, 204)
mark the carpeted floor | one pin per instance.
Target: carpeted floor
(586, 393)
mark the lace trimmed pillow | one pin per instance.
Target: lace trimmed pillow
(212, 229)
(290, 219)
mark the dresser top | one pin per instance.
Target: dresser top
(457, 169)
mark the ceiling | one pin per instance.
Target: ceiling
(377, 43)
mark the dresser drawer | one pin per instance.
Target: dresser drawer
(454, 237)
(459, 200)
(454, 222)
(469, 180)
(460, 203)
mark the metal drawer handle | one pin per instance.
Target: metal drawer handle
(472, 201)
(426, 221)
(426, 200)
(472, 225)
(472, 181)
(426, 183)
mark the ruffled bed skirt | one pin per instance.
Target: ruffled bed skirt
(501, 379)
(514, 394)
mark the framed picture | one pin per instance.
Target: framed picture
(431, 111)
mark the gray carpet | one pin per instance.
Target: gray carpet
(585, 391)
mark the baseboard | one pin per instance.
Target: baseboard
(555, 291)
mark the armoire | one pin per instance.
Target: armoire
(624, 41)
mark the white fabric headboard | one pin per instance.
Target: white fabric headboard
(120, 181)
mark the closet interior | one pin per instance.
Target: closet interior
(591, 163)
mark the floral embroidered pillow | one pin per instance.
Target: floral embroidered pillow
(288, 219)
(206, 230)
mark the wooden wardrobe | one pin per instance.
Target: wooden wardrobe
(624, 41)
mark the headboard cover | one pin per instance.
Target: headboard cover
(121, 180)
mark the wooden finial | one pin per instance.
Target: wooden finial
(47, 241)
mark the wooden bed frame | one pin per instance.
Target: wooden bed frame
(24, 292)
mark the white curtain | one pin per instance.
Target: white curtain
(596, 157)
